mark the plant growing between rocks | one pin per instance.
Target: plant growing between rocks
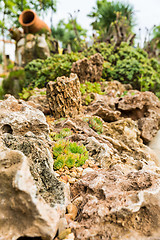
(65, 132)
(68, 154)
(39, 72)
(95, 123)
(128, 65)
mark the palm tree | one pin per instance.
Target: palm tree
(105, 13)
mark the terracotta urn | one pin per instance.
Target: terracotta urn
(31, 23)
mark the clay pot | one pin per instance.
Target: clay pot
(31, 22)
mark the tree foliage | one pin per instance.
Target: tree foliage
(104, 14)
(70, 33)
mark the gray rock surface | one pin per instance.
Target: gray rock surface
(32, 198)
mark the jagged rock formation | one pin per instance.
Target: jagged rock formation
(115, 194)
(118, 206)
(64, 96)
(30, 47)
(18, 118)
(89, 69)
(143, 107)
(39, 100)
(32, 198)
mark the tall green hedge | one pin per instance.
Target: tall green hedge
(125, 64)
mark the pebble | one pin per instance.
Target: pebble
(72, 180)
(79, 169)
(87, 170)
(64, 178)
(70, 237)
(78, 201)
(62, 225)
(57, 174)
(72, 210)
(64, 234)
(73, 174)
(85, 166)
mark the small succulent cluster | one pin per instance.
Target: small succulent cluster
(89, 87)
(68, 154)
(95, 123)
(65, 132)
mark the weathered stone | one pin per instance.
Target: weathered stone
(23, 212)
(143, 107)
(30, 37)
(115, 88)
(41, 48)
(21, 42)
(89, 69)
(118, 206)
(64, 96)
(40, 99)
(32, 47)
(32, 198)
(155, 145)
(18, 118)
(72, 211)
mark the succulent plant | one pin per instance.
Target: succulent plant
(68, 154)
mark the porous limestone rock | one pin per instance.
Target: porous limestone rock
(32, 198)
(18, 118)
(120, 143)
(23, 212)
(40, 99)
(118, 206)
(155, 145)
(103, 109)
(125, 138)
(89, 69)
(64, 96)
(143, 107)
(31, 47)
(115, 88)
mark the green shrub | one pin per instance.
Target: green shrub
(26, 93)
(89, 87)
(14, 83)
(39, 72)
(128, 65)
(1, 93)
(68, 154)
(70, 160)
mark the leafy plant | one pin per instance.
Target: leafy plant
(65, 132)
(128, 65)
(104, 14)
(95, 123)
(59, 162)
(1, 92)
(14, 83)
(70, 34)
(39, 72)
(88, 99)
(89, 87)
(69, 154)
(26, 93)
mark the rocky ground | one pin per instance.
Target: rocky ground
(114, 194)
